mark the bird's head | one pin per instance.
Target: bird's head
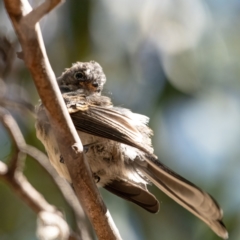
(83, 77)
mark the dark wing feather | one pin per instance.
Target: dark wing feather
(111, 124)
(134, 193)
(185, 193)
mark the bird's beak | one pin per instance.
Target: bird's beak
(89, 86)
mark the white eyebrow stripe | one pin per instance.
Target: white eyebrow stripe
(87, 71)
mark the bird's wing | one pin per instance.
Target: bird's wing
(185, 193)
(111, 123)
(134, 193)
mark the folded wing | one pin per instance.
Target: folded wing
(103, 120)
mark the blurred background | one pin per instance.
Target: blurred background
(176, 61)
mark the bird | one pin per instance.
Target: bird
(117, 145)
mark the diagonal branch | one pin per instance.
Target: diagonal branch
(12, 175)
(18, 140)
(25, 190)
(67, 192)
(37, 62)
(35, 200)
(36, 14)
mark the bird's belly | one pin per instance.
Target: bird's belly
(105, 158)
(108, 160)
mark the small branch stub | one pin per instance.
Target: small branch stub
(77, 148)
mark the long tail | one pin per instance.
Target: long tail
(185, 193)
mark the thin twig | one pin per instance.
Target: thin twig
(30, 196)
(65, 189)
(17, 140)
(11, 125)
(38, 13)
(13, 176)
(25, 190)
(17, 181)
(17, 104)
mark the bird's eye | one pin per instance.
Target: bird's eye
(95, 84)
(79, 76)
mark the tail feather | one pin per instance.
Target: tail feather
(185, 193)
(134, 193)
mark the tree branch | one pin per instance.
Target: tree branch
(14, 177)
(66, 190)
(69, 143)
(22, 149)
(25, 190)
(35, 200)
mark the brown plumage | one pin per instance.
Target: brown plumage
(118, 148)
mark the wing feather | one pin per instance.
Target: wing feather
(134, 193)
(104, 120)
